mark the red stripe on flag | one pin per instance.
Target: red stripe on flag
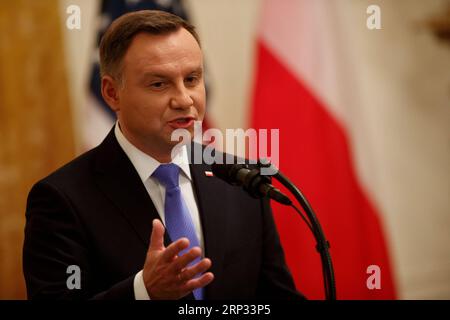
(315, 154)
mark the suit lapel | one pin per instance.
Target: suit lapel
(120, 182)
(213, 216)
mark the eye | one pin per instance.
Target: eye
(157, 85)
(192, 80)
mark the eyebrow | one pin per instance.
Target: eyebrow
(151, 74)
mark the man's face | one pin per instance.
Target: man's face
(163, 89)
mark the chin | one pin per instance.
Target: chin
(183, 136)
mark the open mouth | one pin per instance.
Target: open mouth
(183, 122)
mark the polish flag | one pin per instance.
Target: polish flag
(305, 86)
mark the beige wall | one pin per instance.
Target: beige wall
(36, 134)
(78, 46)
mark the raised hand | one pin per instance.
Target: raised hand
(166, 274)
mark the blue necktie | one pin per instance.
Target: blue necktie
(178, 219)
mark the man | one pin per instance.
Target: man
(104, 214)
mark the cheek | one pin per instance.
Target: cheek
(145, 107)
(200, 102)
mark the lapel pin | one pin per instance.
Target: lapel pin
(208, 173)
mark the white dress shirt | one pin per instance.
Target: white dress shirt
(145, 165)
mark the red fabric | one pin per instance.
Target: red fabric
(315, 153)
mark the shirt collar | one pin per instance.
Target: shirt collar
(145, 164)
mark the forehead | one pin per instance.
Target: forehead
(172, 52)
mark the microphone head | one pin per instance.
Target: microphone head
(228, 172)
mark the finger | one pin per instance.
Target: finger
(157, 236)
(174, 248)
(191, 272)
(183, 260)
(199, 282)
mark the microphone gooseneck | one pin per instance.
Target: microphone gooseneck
(259, 186)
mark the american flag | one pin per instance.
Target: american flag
(99, 118)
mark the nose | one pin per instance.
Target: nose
(181, 99)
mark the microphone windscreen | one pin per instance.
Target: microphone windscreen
(227, 172)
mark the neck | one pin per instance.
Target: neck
(160, 152)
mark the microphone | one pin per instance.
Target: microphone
(257, 185)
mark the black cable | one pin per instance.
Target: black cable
(303, 217)
(322, 245)
(324, 273)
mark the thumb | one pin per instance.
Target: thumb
(157, 236)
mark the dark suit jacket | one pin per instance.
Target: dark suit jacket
(96, 213)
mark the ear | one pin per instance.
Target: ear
(110, 92)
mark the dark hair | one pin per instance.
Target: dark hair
(117, 38)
